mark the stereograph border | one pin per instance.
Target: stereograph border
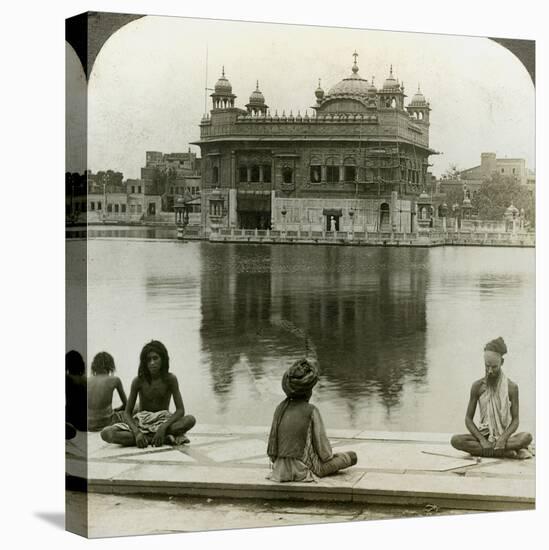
(87, 33)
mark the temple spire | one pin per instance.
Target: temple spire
(355, 66)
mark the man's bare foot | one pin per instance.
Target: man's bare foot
(177, 440)
(524, 454)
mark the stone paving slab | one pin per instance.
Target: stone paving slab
(172, 455)
(378, 455)
(244, 448)
(484, 492)
(413, 437)
(230, 461)
(508, 468)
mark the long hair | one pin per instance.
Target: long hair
(158, 347)
(103, 363)
(74, 364)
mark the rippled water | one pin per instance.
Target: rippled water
(399, 331)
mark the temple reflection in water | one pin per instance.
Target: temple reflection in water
(365, 314)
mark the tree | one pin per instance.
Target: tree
(110, 179)
(498, 192)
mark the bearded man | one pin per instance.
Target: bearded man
(498, 400)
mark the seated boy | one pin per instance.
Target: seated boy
(101, 387)
(155, 386)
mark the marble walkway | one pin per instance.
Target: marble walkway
(418, 469)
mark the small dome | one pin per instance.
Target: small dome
(223, 86)
(511, 210)
(424, 197)
(390, 82)
(418, 100)
(319, 92)
(372, 90)
(257, 97)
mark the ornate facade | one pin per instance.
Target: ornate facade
(358, 163)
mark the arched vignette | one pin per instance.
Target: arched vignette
(88, 32)
(523, 50)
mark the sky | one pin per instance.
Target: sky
(146, 90)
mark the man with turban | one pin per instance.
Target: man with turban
(153, 424)
(498, 401)
(298, 445)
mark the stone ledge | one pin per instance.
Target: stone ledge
(393, 468)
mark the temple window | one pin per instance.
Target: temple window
(242, 174)
(332, 174)
(216, 208)
(287, 174)
(267, 173)
(350, 173)
(215, 174)
(315, 173)
(254, 174)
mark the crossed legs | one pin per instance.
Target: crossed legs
(469, 444)
(118, 436)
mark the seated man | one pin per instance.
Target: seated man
(298, 445)
(498, 400)
(155, 386)
(101, 387)
(75, 394)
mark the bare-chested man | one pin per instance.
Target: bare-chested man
(498, 400)
(155, 386)
(101, 387)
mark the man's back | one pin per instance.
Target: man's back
(100, 391)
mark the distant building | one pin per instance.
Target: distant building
(473, 177)
(171, 175)
(489, 165)
(124, 201)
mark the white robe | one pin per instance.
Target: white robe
(495, 409)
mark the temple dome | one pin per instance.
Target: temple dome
(319, 92)
(257, 98)
(223, 86)
(390, 82)
(418, 100)
(353, 85)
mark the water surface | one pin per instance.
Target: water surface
(399, 331)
